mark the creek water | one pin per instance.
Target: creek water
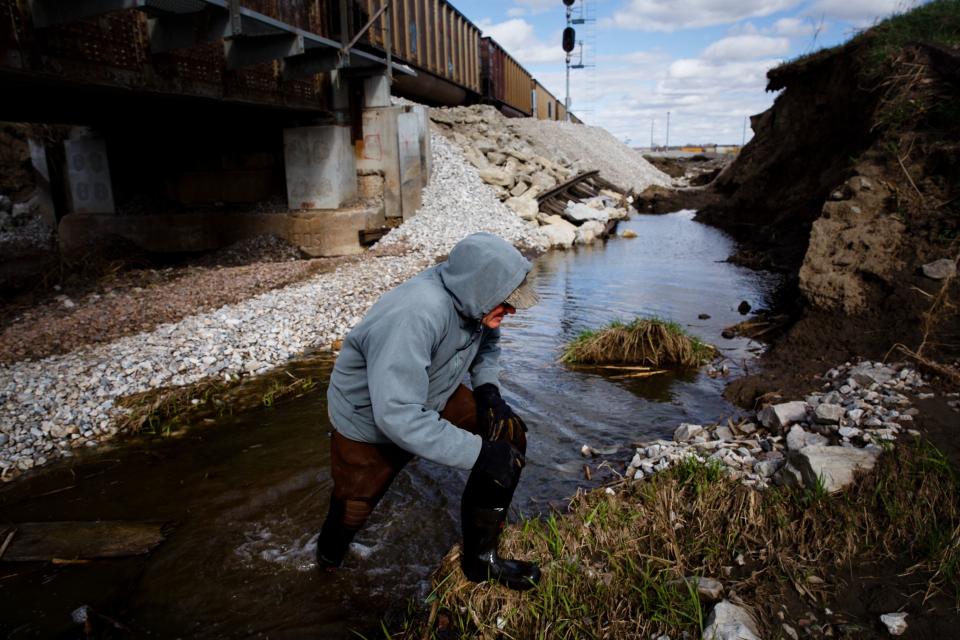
(245, 496)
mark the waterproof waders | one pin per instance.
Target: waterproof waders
(363, 472)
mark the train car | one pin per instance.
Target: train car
(546, 105)
(435, 39)
(504, 82)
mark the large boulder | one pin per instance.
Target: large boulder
(499, 177)
(526, 208)
(589, 231)
(835, 467)
(578, 212)
(559, 232)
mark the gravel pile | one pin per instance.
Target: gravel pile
(457, 203)
(115, 310)
(52, 406)
(823, 439)
(589, 148)
(264, 248)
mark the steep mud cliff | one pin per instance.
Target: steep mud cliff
(850, 186)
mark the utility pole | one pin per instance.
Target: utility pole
(652, 121)
(743, 138)
(667, 145)
(569, 42)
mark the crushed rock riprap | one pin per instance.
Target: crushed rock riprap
(51, 406)
(457, 203)
(823, 439)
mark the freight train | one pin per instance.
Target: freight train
(455, 63)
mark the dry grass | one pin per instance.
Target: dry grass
(645, 341)
(613, 566)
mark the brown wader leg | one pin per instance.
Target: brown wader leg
(362, 472)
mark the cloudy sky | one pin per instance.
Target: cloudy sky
(704, 61)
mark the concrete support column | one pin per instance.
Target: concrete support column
(378, 158)
(376, 92)
(320, 168)
(88, 174)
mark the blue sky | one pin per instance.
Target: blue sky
(704, 61)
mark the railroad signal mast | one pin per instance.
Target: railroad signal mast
(570, 42)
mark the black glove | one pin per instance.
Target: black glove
(493, 410)
(499, 461)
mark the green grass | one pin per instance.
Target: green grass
(937, 21)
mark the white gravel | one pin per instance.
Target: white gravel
(52, 406)
(457, 203)
(590, 148)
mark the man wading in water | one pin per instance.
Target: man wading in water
(396, 393)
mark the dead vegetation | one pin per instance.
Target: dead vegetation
(615, 565)
(168, 410)
(648, 342)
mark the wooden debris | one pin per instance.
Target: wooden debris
(580, 187)
(642, 374)
(755, 328)
(65, 541)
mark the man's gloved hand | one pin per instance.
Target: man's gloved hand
(493, 411)
(499, 461)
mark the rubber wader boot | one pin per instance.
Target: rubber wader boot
(334, 539)
(480, 561)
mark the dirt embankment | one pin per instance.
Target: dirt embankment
(850, 186)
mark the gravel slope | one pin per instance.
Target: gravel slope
(591, 148)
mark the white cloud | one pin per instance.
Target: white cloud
(517, 36)
(516, 12)
(538, 6)
(747, 47)
(860, 12)
(670, 15)
(797, 27)
(707, 98)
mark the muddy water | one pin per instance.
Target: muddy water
(244, 496)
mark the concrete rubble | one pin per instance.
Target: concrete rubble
(821, 442)
(521, 162)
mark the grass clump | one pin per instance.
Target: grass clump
(618, 566)
(937, 21)
(644, 341)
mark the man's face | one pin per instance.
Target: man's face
(493, 319)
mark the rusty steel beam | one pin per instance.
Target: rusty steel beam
(182, 31)
(50, 13)
(245, 51)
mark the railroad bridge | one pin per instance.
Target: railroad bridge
(180, 124)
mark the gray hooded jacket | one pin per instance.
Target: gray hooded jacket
(401, 364)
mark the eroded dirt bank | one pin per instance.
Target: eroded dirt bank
(850, 187)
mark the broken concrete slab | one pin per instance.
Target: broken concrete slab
(834, 467)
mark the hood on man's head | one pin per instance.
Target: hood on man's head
(481, 272)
